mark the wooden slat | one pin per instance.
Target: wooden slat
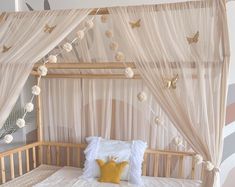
(3, 171)
(193, 168)
(27, 160)
(181, 171)
(156, 164)
(144, 168)
(68, 156)
(40, 153)
(20, 163)
(57, 155)
(168, 166)
(48, 154)
(12, 166)
(34, 158)
(79, 156)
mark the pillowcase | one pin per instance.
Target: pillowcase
(110, 171)
(130, 151)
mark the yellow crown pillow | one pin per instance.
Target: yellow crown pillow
(110, 171)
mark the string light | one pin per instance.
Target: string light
(42, 71)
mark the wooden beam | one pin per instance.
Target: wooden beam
(87, 65)
(91, 76)
(39, 117)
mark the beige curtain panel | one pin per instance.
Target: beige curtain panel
(182, 54)
(25, 39)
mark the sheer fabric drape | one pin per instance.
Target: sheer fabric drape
(161, 50)
(23, 42)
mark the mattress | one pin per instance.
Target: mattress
(53, 176)
(33, 177)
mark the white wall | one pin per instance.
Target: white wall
(7, 5)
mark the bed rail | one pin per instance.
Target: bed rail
(23, 159)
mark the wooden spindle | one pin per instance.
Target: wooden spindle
(34, 158)
(20, 163)
(3, 171)
(144, 168)
(68, 156)
(49, 155)
(168, 166)
(79, 157)
(181, 163)
(156, 163)
(12, 166)
(193, 169)
(40, 153)
(27, 160)
(57, 155)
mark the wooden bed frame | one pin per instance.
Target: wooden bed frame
(24, 159)
(32, 155)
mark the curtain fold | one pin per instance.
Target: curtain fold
(24, 41)
(182, 53)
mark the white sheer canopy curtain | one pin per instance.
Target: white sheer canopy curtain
(188, 40)
(23, 41)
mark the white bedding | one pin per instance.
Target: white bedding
(69, 177)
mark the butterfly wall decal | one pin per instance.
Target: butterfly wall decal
(193, 39)
(5, 49)
(171, 83)
(135, 24)
(49, 29)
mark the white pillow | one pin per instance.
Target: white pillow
(130, 151)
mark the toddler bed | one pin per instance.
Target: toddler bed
(41, 164)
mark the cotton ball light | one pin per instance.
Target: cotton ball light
(36, 90)
(209, 166)
(198, 159)
(113, 46)
(52, 59)
(20, 122)
(142, 96)
(104, 18)
(29, 107)
(80, 34)
(129, 73)
(8, 138)
(178, 141)
(157, 120)
(42, 70)
(119, 56)
(67, 47)
(109, 34)
(89, 24)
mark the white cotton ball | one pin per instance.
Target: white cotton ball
(157, 120)
(36, 90)
(29, 107)
(89, 24)
(67, 47)
(109, 33)
(20, 122)
(142, 96)
(209, 166)
(119, 56)
(80, 34)
(8, 138)
(52, 59)
(113, 46)
(104, 18)
(42, 70)
(178, 141)
(198, 159)
(129, 73)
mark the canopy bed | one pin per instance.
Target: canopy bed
(179, 51)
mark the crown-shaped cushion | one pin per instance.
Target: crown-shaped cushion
(110, 171)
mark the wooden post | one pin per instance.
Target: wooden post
(39, 126)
